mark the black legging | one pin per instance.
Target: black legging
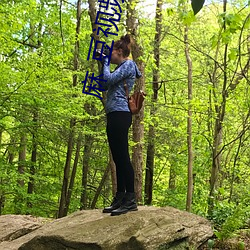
(118, 123)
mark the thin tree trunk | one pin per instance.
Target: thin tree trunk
(85, 169)
(189, 125)
(2, 201)
(19, 199)
(21, 159)
(64, 191)
(88, 108)
(35, 112)
(73, 174)
(2, 198)
(217, 142)
(137, 126)
(77, 43)
(151, 134)
(172, 170)
(99, 189)
(234, 168)
(66, 176)
(9, 160)
(218, 127)
(32, 167)
(92, 14)
(1, 135)
(1, 180)
(172, 178)
(33, 156)
(11, 154)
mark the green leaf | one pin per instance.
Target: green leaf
(233, 54)
(197, 5)
(210, 244)
(187, 17)
(226, 36)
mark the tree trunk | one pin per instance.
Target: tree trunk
(35, 112)
(19, 199)
(11, 152)
(9, 160)
(73, 174)
(66, 176)
(172, 178)
(2, 200)
(77, 43)
(1, 135)
(1, 180)
(85, 169)
(172, 170)
(62, 205)
(92, 15)
(151, 134)
(21, 159)
(217, 141)
(189, 125)
(33, 156)
(137, 126)
(245, 122)
(99, 189)
(218, 127)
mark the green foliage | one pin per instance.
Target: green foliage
(235, 220)
(39, 80)
(210, 244)
(222, 210)
(241, 245)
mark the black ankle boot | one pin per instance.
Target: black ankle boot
(128, 204)
(116, 203)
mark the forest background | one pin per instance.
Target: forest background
(189, 145)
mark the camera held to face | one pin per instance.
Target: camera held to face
(105, 52)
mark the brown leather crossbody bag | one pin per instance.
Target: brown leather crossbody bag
(135, 101)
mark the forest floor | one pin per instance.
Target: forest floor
(241, 242)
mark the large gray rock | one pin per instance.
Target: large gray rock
(15, 226)
(147, 229)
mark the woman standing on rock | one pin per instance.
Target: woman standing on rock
(119, 120)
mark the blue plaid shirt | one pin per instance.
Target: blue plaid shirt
(116, 95)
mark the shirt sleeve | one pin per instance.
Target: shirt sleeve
(124, 71)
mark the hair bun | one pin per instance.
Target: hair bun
(126, 39)
(124, 43)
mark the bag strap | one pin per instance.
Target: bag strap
(126, 89)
